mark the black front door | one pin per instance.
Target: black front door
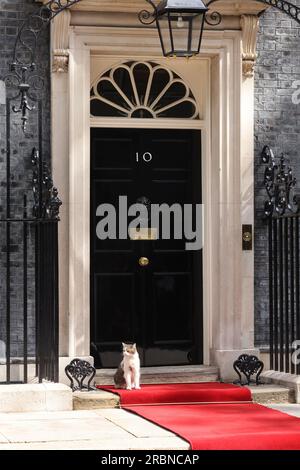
(145, 290)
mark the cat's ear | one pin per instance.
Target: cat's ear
(134, 345)
(123, 345)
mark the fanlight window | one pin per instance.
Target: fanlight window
(142, 90)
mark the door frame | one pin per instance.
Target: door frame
(227, 164)
(204, 126)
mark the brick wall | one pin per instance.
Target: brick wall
(12, 14)
(277, 123)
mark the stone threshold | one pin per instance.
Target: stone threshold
(165, 374)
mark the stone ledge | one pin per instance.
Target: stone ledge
(35, 397)
(290, 381)
(95, 400)
(270, 394)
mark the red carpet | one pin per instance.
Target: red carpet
(211, 392)
(217, 423)
(242, 426)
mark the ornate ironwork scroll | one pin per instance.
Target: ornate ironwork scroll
(23, 65)
(147, 17)
(248, 365)
(46, 200)
(213, 19)
(279, 183)
(77, 372)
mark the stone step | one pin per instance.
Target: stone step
(149, 375)
(263, 394)
(95, 400)
(165, 374)
(15, 398)
(271, 394)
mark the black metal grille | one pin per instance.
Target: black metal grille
(28, 262)
(37, 345)
(282, 211)
(284, 291)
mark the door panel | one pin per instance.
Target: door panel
(158, 306)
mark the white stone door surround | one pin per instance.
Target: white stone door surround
(225, 99)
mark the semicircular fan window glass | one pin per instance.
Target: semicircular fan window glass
(142, 90)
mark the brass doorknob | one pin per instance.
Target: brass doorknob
(143, 261)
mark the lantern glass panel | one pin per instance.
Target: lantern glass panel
(180, 33)
(196, 33)
(165, 35)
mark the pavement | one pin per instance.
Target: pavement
(105, 429)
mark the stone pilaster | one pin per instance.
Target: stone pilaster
(60, 42)
(249, 25)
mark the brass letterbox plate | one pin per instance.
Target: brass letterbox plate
(143, 233)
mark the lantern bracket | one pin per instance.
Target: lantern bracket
(147, 17)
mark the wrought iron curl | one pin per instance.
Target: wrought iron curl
(147, 17)
(21, 69)
(33, 26)
(279, 183)
(46, 203)
(213, 19)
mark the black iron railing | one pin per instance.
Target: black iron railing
(284, 291)
(29, 336)
(282, 210)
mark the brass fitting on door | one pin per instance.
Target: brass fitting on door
(143, 261)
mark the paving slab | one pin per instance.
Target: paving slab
(62, 430)
(134, 424)
(3, 439)
(46, 415)
(92, 429)
(292, 409)
(170, 443)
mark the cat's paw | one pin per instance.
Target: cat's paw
(128, 388)
(137, 388)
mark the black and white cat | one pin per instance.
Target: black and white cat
(128, 373)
